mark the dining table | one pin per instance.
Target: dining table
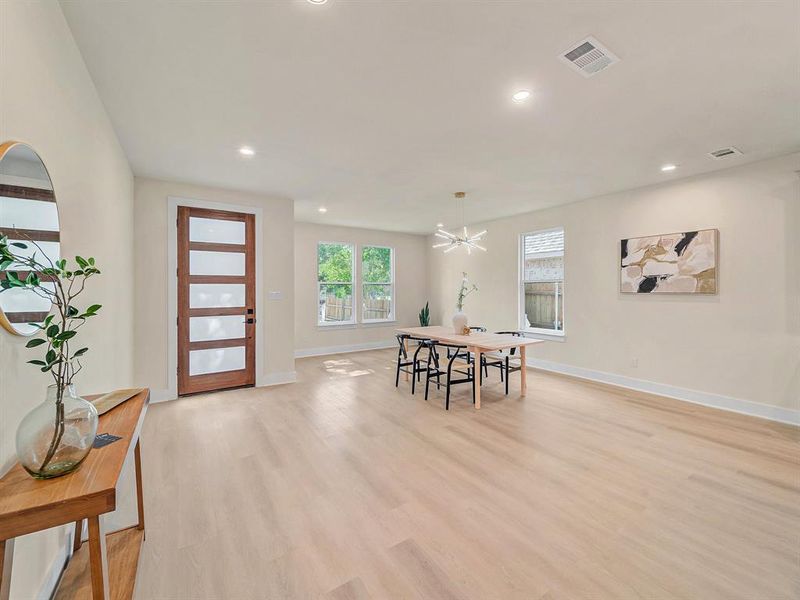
(478, 343)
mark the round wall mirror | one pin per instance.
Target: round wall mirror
(28, 214)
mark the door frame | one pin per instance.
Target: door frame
(172, 284)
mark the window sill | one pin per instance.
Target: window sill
(337, 325)
(555, 336)
(379, 322)
(349, 325)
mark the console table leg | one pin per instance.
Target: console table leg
(139, 491)
(6, 559)
(76, 540)
(98, 558)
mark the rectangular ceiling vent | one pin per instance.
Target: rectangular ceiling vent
(588, 57)
(724, 153)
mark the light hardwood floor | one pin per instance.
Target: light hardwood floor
(341, 487)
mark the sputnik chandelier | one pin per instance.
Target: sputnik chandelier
(463, 238)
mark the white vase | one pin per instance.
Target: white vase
(459, 322)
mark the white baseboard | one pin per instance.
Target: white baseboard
(345, 348)
(729, 403)
(53, 576)
(161, 396)
(277, 378)
(265, 380)
(738, 405)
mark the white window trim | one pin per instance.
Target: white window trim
(543, 334)
(391, 318)
(352, 284)
(538, 332)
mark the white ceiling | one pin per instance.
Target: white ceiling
(379, 110)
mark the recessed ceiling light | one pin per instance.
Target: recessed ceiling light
(321, 209)
(317, 1)
(246, 151)
(669, 167)
(521, 96)
(440, 225)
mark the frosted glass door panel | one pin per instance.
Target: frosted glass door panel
(51, 250)
(216, 295)
(216, 263)
(217, 231)
(230, 327)
(216, 360)
(19, 300)
(28, 214)
(22, 300)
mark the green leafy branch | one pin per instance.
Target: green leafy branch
(59, 283)
(425, 316)
(464, 291)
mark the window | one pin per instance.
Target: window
(377, 284)
(337, 283)
(542, 281)
(335, 266)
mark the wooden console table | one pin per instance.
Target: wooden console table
(28, 505)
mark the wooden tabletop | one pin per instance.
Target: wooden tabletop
(28, 504)
(476, 339)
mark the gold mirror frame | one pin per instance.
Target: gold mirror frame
(11, 191)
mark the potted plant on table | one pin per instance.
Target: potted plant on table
(460, 320)
(425, 316)
(56, 436)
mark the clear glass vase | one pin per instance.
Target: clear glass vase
(56, 436)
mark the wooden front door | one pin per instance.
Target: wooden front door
(216, 300)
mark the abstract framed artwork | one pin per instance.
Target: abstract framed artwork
(672, 263)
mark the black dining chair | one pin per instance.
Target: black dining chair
(477, 329)
(502, 359)
(455, 355)
(414, 366)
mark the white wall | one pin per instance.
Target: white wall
(276, 263)
(48, 100)
(743, 343)
(410, 292)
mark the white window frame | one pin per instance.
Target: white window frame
(352, 285)
(391, 317)
(538, 331)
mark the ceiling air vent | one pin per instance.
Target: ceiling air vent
(724, 153)
(588, 57)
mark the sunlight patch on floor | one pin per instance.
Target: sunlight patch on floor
(345, 367)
